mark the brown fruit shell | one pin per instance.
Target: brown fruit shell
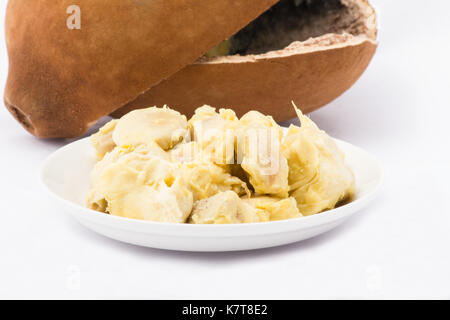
(62, 81)
(311, 77)
(310, 73)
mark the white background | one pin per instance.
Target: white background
(397, 248)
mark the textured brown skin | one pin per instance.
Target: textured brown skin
(61, 81)
(311, 80)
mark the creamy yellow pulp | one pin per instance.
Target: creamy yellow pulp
(154, 164)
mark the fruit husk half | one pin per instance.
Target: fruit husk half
(321, 54)
(61, 80)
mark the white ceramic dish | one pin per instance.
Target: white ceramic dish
(66, 176)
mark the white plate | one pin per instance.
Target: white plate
(66, 175)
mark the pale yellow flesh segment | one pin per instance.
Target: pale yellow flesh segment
(102, 141)
(262, 158)
(164, 126)
(148, 169)
(318, 176)
(223, 208)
